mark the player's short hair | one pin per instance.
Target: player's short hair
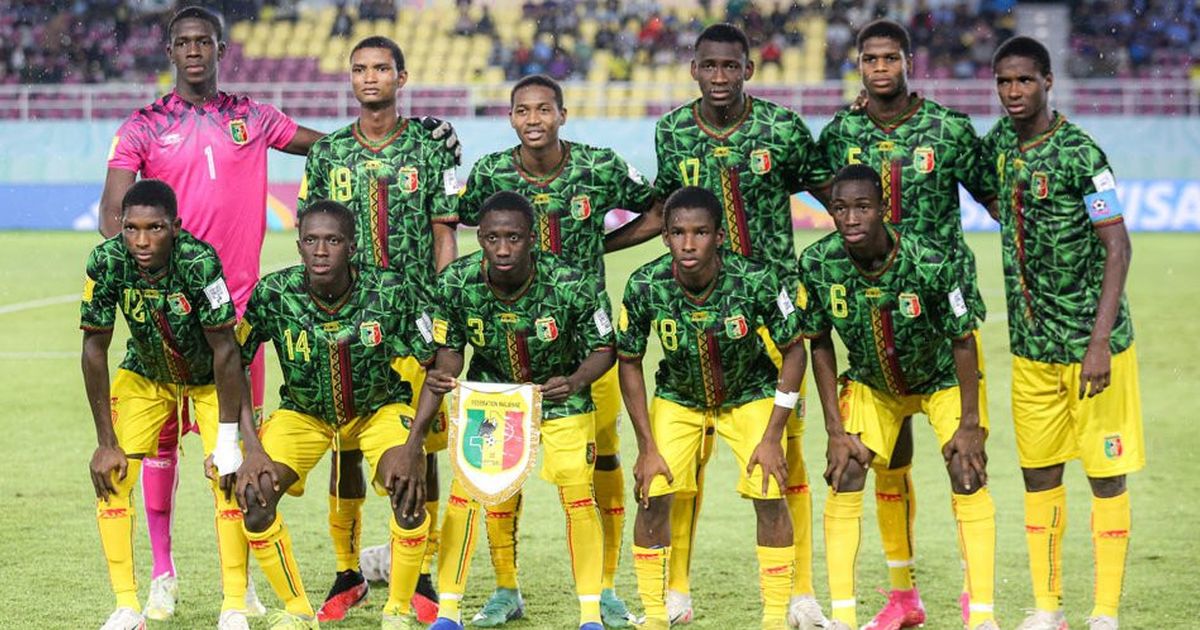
(344, 216)
(379, 41)
(693, 197)
(154, 193)
(194, 12)
(1021, 46)
(858, 173)
(507, 201)
(723, 32)
(537, 79)
(888, 29)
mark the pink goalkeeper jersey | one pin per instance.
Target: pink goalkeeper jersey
(215, 158)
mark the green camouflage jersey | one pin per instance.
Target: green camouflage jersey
(921, 156)
(397, 189)
(167, 313)
(1055, 190)
(898, 322)
(546, 330)
(336, 358)
(569, 204)
(753, 167)
(713, 356)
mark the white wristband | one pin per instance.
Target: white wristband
(227, 455)
(787, 400)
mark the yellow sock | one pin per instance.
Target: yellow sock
(431, 508)
(1111, 522)
(455, 550)
(273, 549)
(345, 528)
(610, 496)
(502, 520)
(799, 503)
(115, 518)
(584, 541)
(776, 568)
(408, 550)
(232, 550)
(976, 516)
(843, 529)
(650, 567)
(1045, 522)
(896, 509)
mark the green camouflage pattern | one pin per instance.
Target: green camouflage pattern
(546, 330)
(336, 358)
(167, 314)
(713, 356)
(921, 156)
(1053, 258)
(896, 323)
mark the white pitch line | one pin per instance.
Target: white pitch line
(37, 355)
(32, 304)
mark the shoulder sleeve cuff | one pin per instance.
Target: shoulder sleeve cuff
(625, 356)
(90, 328)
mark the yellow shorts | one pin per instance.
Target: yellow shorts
(569, 449)
(410, 370)
(795, 425)
(140, 408)
(679, 434)
(1053, 425)
(299, 441)
(606, 395)
(876, 416)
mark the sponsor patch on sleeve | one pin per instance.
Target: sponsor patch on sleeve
(1103, 206)
(623, 319)
(450, 182)
(440, 328)
(217, 294)
(1104, 180)
(425, 325)
(89, 287)
(112, 149)
(957, 304)
(603, 324)
(242, 331)
(784, 302)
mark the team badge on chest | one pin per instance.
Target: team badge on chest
(238, 131)
(910, 305)
(370, 333)
(736, 327)
(923, 159)
(581, 207)
(179, 304)
(760, 161)
(408, 180)
(1041, 185)
(546, 328)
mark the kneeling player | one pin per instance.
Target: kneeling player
(336, 328)
(530, 318)
(705, 306)
(897, 304)
(169, 287)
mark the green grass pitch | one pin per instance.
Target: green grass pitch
(56, 575)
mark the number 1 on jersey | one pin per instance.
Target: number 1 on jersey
(212, 167)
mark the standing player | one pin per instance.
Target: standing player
(753, 155)
(400, 183)
(922, 152)
(572, 187)
(211, 147)
(169, 288)
(529, 318)
(1075, 378)
(897, 303)
(704, 305)
(336, 328)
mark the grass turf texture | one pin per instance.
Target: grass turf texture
(57, 578)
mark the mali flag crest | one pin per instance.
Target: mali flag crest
(494, 434)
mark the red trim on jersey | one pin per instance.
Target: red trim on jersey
(888, 126)
(366, 143)
(381, 221)
(889, 348)
(542, 182)
(739, 212)
(176, 361)
(698, 300)
(714, 363)
(891, 257)
(1038, 141)
(1018, 203)
(526, 373)
(520, 292)
(554, 230)
(713, 132)
(894, 192)
(347, 378)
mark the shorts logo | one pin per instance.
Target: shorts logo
(1041, 185)
(406, 422)
(238, 131)
(923, 159)
(409, 181)
(590, 453)
(439, 423)
(736, 327)
(1113, 448)
(370, 333)
(760, 161)
(179, 304)
(547, 329)
(581, 207)
(910, 305)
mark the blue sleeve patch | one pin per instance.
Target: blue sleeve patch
(1103, 206)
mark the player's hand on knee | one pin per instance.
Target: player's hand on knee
(254, 468)
(649, 464)
(1096, 370)
(440, 382)
(106, 461)
(842, 453)
(966, 458)
(402, 471)
(442, 130)
(769, 454)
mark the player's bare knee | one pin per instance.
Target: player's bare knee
(774, 522)
(653, 523)
(1107, 487)
(346, 480)
(257, 517)
(412, 521)
(608, 462)
(1042, 479)
(854, 477)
